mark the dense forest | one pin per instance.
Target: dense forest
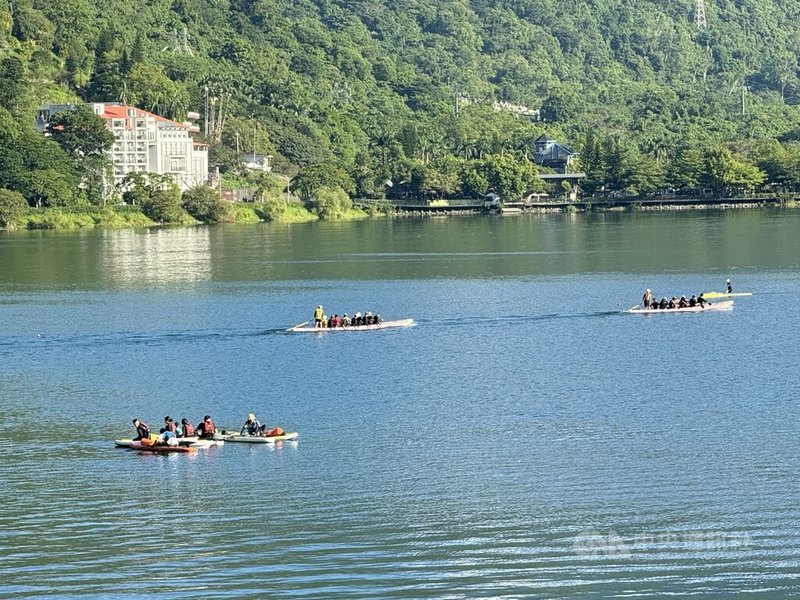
(403, 97)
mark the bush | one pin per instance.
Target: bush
(331, 203)
(206, 205)
(12, 205)
(164, 206)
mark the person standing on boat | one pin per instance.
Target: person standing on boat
(318, 316)
(251, 426)
(728, 287)
(647, 298)
(142, 430)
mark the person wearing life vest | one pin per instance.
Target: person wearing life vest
(142, 430)
(170, 425)
(318, 316)
(206, 429)
(251, 426)
(188, 428)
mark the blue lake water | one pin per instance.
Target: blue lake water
(525, 439)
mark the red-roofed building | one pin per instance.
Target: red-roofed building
(147, 143)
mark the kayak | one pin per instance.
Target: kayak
(726, 305)
(712, 295)
(306, 328)
(161, 449)
(235, 437)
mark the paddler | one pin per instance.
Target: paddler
(701, 301)
(647, 298)
(728, 287)
(318, 316)
(206, 429)
(251, 426)
(142, 430)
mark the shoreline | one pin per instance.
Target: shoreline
(60, 219)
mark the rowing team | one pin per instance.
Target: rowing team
(649, 302)
(321, 320)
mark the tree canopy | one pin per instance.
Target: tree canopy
(402, 97)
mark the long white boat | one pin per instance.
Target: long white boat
(726, 305)
(306, 328)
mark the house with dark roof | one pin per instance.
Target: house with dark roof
(552, 154)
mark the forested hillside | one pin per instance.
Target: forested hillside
(396, 96)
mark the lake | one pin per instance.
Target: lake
(526, 439)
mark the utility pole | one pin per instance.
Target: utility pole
(700, 14)
(238, 162)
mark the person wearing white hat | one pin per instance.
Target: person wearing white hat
(647, 298)
(251, 426)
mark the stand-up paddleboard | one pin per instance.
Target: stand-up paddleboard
(140, 447)
(252, 439)
(712, 295)
(187, 441)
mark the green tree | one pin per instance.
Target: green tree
(330, 202)
(206, 205)
(80, 132)
(12, 204)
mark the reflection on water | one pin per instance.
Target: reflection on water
(156, 256)
(527, 439)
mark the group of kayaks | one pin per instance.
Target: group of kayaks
(191, 444)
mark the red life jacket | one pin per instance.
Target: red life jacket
(209, 428)
(188, 430)
(171, 426)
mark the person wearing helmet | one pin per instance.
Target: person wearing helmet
(683, 302)
(728, 287)
(251, 426)
(647, 298)
(318, 316)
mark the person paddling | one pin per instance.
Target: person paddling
(728, 287)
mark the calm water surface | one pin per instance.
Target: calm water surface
(526, 439)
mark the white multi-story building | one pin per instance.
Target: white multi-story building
(147, 143)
